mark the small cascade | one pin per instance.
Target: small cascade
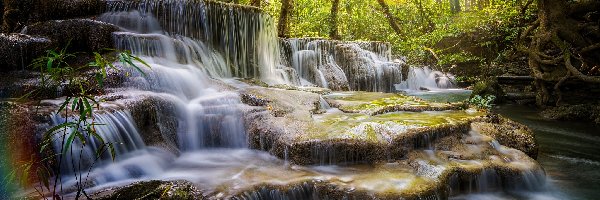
(343, 65)
(246, 38)
(116, 128)
(420, 78)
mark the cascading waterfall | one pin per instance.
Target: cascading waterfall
(187, 43)
(420, 78)
(246, 39)
(116, 128)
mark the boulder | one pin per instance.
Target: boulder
(157, 122)
(18, 13)
(18, 50)
(80, 34)
(335, 77)
(508, 133)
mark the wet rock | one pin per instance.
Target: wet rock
(373, 103)
(157, 122)
(335, 77)
(364, 72)
(18, 50)
(583, 112)
(19, 13)
(80, 34)
(154, 189)
(508, 133)
(290, 128)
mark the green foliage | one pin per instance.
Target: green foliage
(480, 102)
(78, 109)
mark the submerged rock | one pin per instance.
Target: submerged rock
(18, 50)
(80, 34)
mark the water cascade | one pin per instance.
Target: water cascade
(191, 45)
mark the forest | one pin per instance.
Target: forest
(299, 99)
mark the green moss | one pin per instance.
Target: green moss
(369, 128)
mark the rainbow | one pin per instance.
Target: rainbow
(18, 149)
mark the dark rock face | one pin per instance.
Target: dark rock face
(18, 50)
(156, 120)
(19, 13)
(83, 34)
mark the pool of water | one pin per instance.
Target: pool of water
(569, 151)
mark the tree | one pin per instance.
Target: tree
(282, 26)
(390, 17)
(563, 43)
(333, 32)
(256, 3)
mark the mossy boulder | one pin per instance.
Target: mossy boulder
(488, 87)
(335, 77)
(508, 133)
(80, 34)
(154, 189)
(18, 50)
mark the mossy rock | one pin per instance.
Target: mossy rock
(375, 103)
(509, 133)
(488, 87)
(155, 190)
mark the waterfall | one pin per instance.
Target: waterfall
(420, 78)
(116, 128)
(246, 38)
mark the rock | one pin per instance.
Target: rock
(335, 77)
(583, 112)
(289, 127)
(80, 34)
(18, 50)
(157, 122)
(19, 13)
(364, 72)
(508, 133)
(154, 189)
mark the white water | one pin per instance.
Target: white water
(420, 78)
(182, 68)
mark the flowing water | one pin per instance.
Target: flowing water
(189, 44)
(569, 151)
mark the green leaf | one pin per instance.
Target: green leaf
(64, 104)
(70, 140)
(74, 103)
(111, 149)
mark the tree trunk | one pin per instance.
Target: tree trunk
(558, 48)
(284, 16)
(255, 3)
(455, 6)
(333, 32)
(390, 17)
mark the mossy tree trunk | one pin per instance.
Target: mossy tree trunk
(333, 32)
(283, 25)
(563, 43)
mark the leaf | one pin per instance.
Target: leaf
(44, 176)
(74, 103)
(64, 104)
(111, 149)
(69, 141)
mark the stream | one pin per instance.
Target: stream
(568, 151)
